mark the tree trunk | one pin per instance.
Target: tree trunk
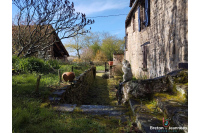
(78, 54)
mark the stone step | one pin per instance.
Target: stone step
(59, 93)
(65, 107)
(54, 100)
(146, 122)
(144, 117)
(103, 110)
(176, 111)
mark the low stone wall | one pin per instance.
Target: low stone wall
(144, 88)
(77, 91)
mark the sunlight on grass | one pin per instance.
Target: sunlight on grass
(32, 113)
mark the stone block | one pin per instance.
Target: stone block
(65, 107)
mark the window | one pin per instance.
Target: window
(144, 13)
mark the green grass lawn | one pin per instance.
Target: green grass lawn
(100, 68)
(30, 116)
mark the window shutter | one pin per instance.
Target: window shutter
(142, 14)
(146, 13)
(139, 22)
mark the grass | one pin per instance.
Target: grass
(77, 69)
(30, 112)
(100, 68)
(103, 91)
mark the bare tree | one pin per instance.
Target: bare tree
(39, 21)
(76, 43)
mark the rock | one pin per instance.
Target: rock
(182, 89)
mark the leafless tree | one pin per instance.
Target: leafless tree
(40, 22)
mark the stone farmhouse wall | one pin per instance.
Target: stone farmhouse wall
(166, 39)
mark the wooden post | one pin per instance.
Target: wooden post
(38, 83)
(59, 75)
(105, 66)
(72, 68)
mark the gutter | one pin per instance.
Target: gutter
(130, 12)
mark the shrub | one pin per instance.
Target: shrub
(14, 59)
(54, 63)
(21, 64)
(118, 70)
(31, 64)
(105, 76)
(37, 65)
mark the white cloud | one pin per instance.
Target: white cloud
(93, 6)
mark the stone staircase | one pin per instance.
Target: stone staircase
(172, 106)
(57, 101)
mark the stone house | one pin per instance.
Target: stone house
(156, 37)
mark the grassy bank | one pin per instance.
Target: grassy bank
(28, 114)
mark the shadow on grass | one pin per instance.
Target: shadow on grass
(98, 93)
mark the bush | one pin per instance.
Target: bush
(105, 76)
(54, 64)
(21, 64)
(37, 65)
(31, 64)
(14, 59)
(118, 70)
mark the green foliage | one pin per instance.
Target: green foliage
(29, 116)
(14, 59)
(31, 64)
(134, 78)
(100, 68)
(105, 76)
(110, 45)
(54, 64)
(37, 65)
(78, 68)
(95, 47)
(100, 57)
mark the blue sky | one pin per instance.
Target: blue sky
(115, 25)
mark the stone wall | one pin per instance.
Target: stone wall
(145, 88)
(76, 92)
(167, 35)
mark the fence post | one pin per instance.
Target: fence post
(105, 66)
(72, 68)
(38, 83)
(59, 75)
